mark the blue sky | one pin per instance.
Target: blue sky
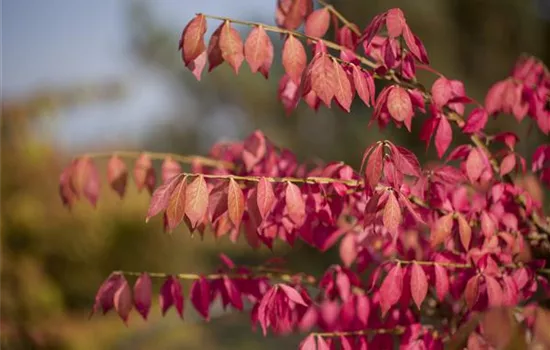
(66, 42)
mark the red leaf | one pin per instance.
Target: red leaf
(476, 121)
(441, 229)
(196, 200)
(117, 175)
(67, 191)
(142, 295)
(169, 169)
(295, 204)
(373, 171)
(474, 165)
(292, 294)
(342, 87)
(317, 23)
(214, 52)
(392, 214)
(488, 225)
(465, 231)
(508, 164)
(419, 284)
(471, 293)
(443, 136)
(415, 45)
(265, 198)
(399, 104)
(90, 185)
(175, 210)
(395, 22)
(391, 288)
(171, 295)
(322, 343)
(197, 66)
(200, 297)
(105, 295)
(258, 51)
(405, 161)
(441, 282)
(123, 300)
(441, 91)
(192, 39)
(364, 84)
(161, 198)
(308, 343)
(371, 208)
(235, 203)
(231, 46)
(494, 291)
(144, 173)
(294, 58)
(323, 76)
(348, 250)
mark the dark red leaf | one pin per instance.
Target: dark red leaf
(161, 198)
(171, 295)
(200, 297)
(142, 295)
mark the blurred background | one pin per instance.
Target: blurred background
(106, 75)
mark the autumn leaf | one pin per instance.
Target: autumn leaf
(258, 51)
(235, 203)
(231, 46)
(192, 40)
(294, 58)
(441, 229)
(392, 214)
(196, 200)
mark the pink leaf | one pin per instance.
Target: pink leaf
(391, 288)
(235, 203)
(476, 121)
(196, 200)
(200, 297)
(441, 282)
(441, 91)
(317, 23)
(295, 204)
(419, 284)
(117, 175)
(308, 343)
(443, 136)
(171, 295)
(395, 22)
(392, 214)
(508, 164)
(294, 58)
(142, 295)
(292, 294)
(265, 197)
(399, 104)
(123, 300)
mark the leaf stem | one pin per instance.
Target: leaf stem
(341, 17)
(398, 330)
